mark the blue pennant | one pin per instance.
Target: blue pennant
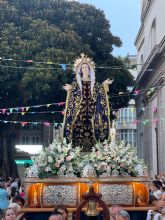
(63, 66)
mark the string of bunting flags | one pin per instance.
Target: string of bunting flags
(24, 112)
(64, 66)
(23, 123)
(49, 62)
(132, 109)
(24, 109)
(47, 124)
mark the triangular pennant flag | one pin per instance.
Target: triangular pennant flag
(27, 108)
(11, 110)
(63, 66)
(23, 113)
(61, 103)
(23, 123)
(22, 108)
(49, 62)
(29, 61)
(150, 91)
(48, 105)
(4, 110)
(154, 109)
(156, 121)
(47, 124)
(132, 109)
(137, 92)
(135, 122)
(144, 122)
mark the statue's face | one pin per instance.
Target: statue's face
(85, 69)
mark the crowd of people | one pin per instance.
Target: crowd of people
(157, 198)
(12, 200)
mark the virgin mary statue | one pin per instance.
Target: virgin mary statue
(87, 114)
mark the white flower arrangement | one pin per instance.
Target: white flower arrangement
(59, 159)
(107, 159)
(113, 159)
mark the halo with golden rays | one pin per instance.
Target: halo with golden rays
(83, 59)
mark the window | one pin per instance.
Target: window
(129, 136)
(153, 34)
(142, 59)
(37, 127)
(25, 140)
(127, 115)
(35, 140)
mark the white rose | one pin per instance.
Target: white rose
(50, 159)
(59, 148)
(47, 169)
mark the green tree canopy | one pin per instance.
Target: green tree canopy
(56, 31)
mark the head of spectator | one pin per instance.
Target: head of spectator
(156, 182)
(9, 214)
(63, 210)
(56, 216)
(162, 188)
(114, 210)
(19, 200)
(15, 207)
(153, 200)
(155, 186)
(157, 177)
(160, 205)
(122, 215)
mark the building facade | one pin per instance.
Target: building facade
(125, 127)
(150, 101)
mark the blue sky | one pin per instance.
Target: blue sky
(124, 17)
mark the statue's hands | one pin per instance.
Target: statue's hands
(107, 82)
(67, 87)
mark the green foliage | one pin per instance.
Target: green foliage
(57, 31)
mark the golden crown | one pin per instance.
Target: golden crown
(83, 59)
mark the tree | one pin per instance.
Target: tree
(57, 31)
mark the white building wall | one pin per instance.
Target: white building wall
(144, 46)
(150, 44)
